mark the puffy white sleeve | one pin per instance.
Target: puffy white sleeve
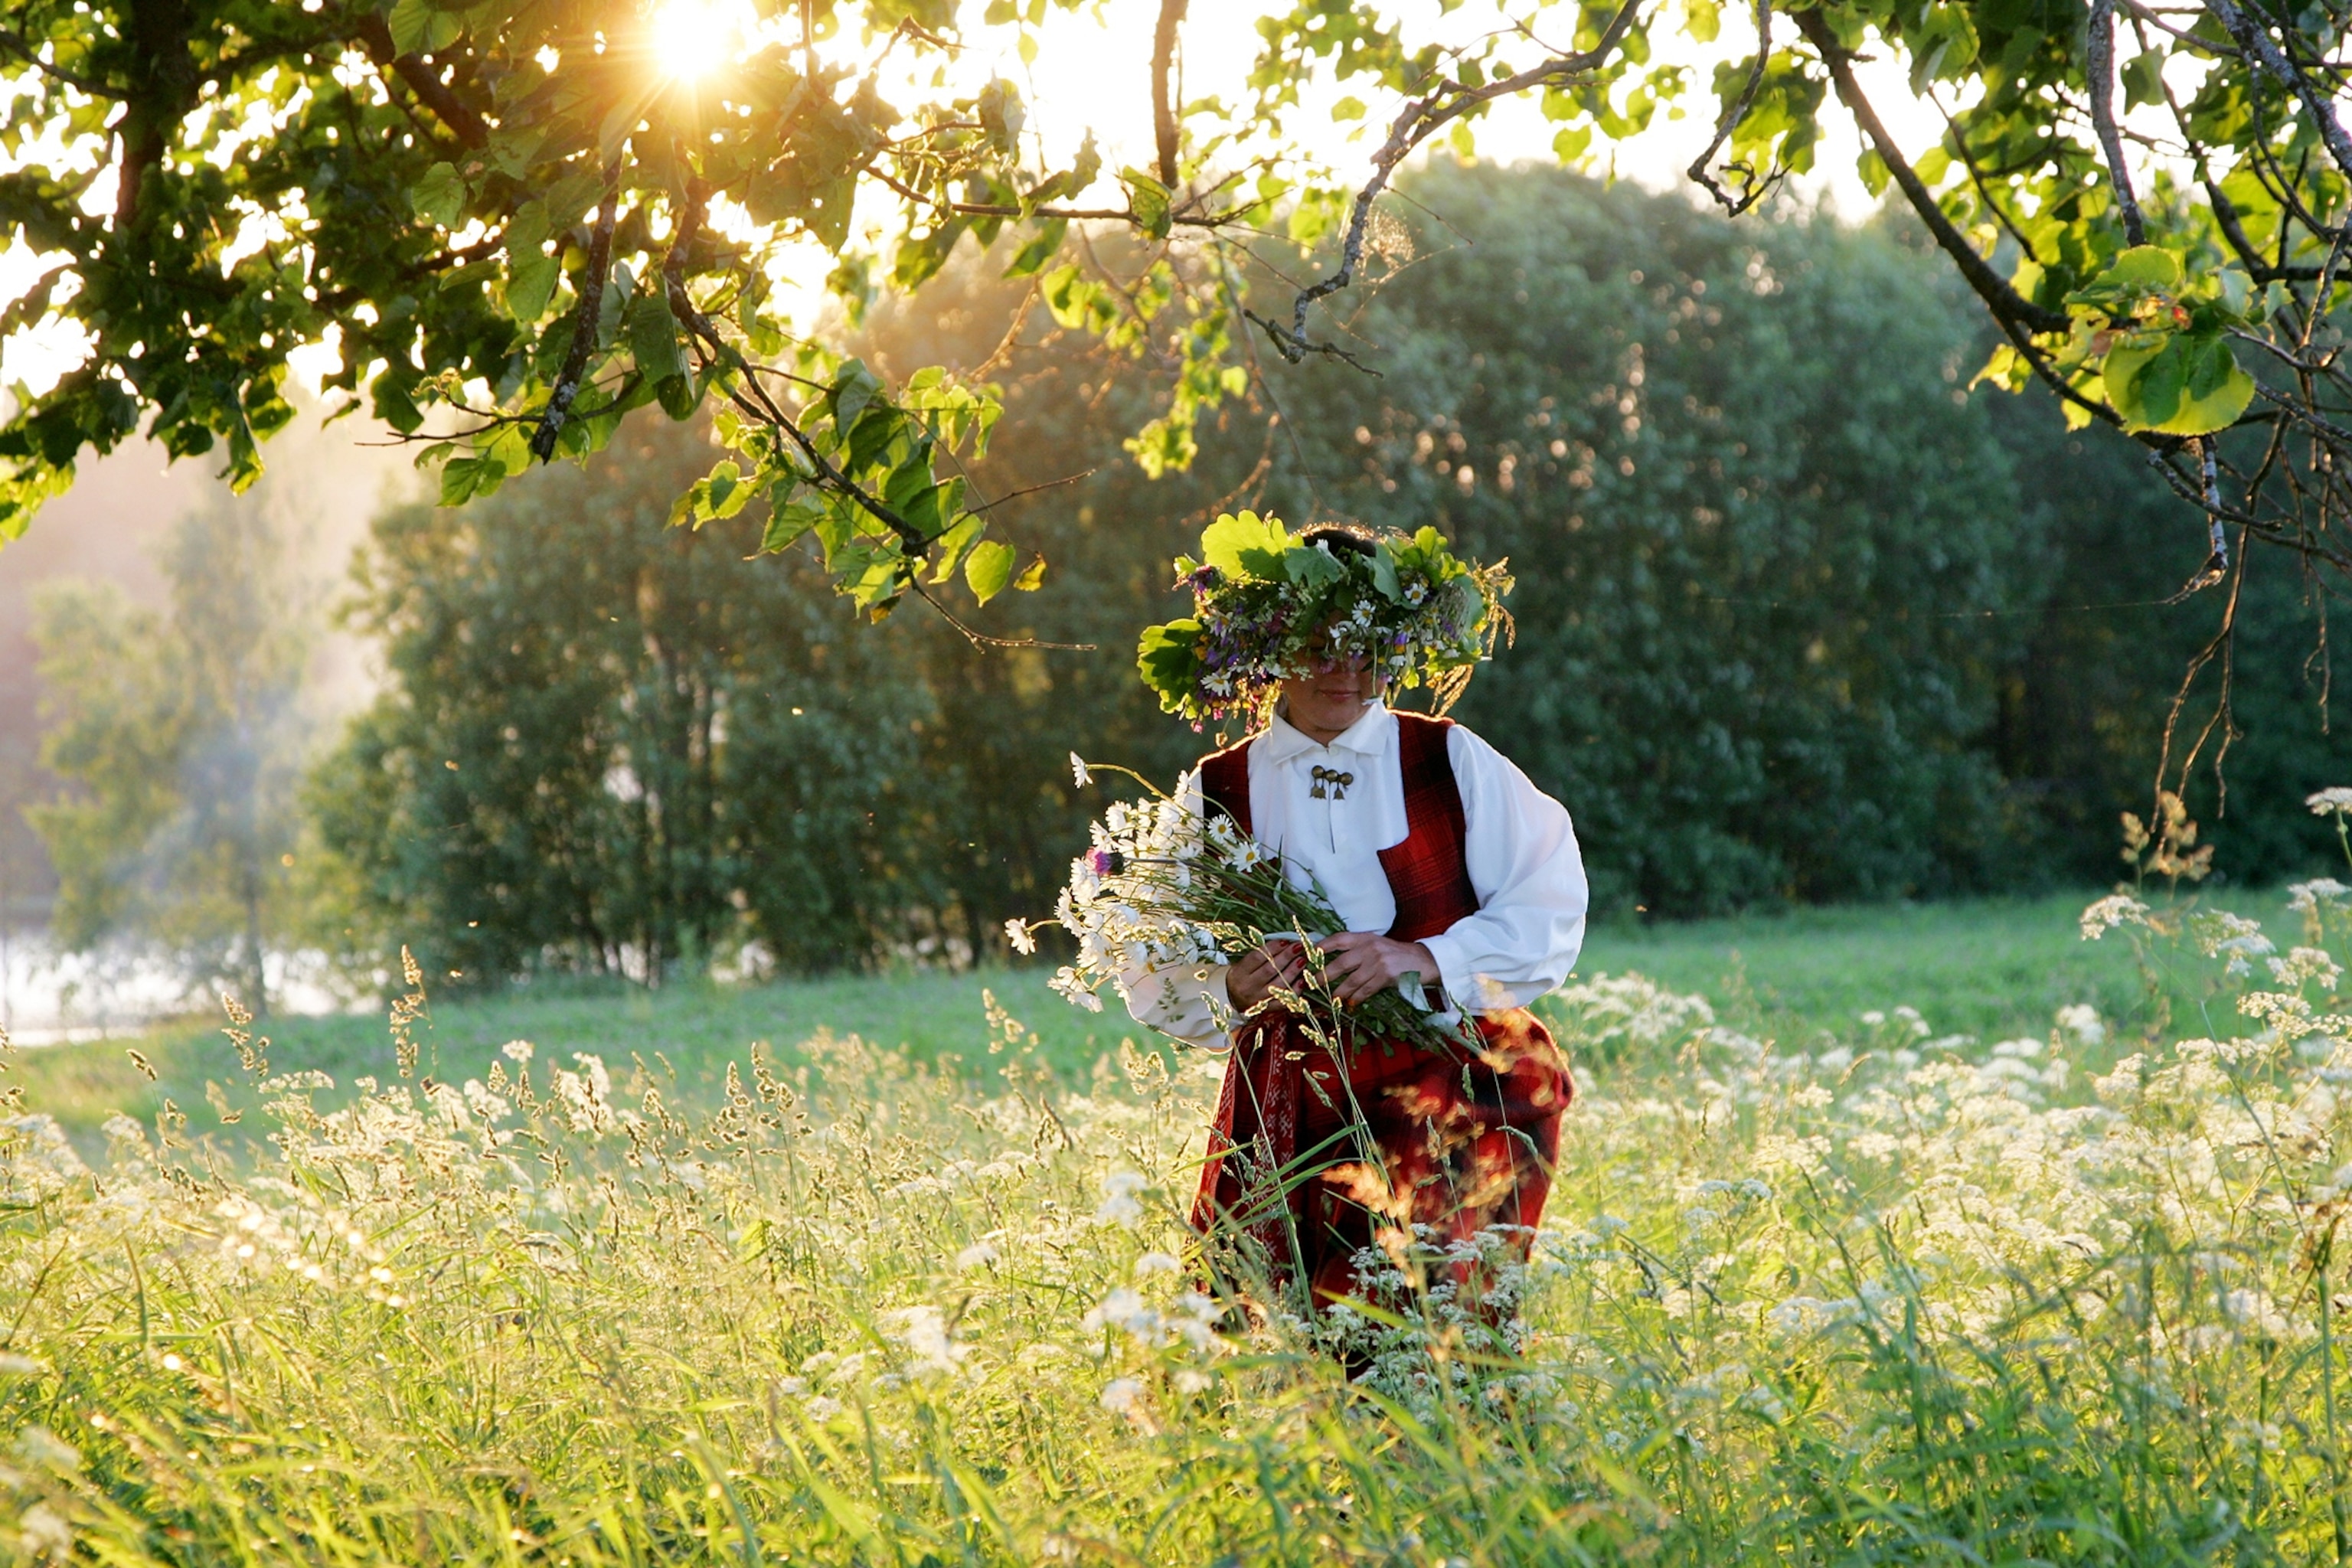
(1529, 877)
(1185, 1001)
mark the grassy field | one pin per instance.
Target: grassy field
(1990, 969)
(1813, 1288)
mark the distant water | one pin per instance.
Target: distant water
(47, 998)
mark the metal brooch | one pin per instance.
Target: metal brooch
(1329, 784)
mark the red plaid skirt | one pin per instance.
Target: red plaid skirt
(1313, 1159)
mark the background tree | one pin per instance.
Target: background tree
(607, 743)
(180, 735)
(1790, 627)
(541, 214)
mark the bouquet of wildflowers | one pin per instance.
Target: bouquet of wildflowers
(1160, 888)
(1269, 604)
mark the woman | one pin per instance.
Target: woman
(1458, 881)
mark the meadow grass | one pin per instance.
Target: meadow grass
(1848, 1291)
(1991, 968)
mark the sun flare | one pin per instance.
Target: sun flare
(691, 39)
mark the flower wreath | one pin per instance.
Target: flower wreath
(1270, 605)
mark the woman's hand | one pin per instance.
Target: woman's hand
(1360, 965)
(1258, 973)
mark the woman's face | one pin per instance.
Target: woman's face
(1325, 703)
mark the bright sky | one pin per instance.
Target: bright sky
(1092, 73)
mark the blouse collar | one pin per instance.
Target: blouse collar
(1373, 735)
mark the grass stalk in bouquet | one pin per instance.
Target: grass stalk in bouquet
(1163, 886)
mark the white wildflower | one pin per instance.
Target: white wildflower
(2240, 941)
(516, 1050)
(2334, 802)
(1120, 1206)
(1017, 932)
(933, 1351)
(2081, 1020)
(979, 1255)
(1128, 1312)
(1072, 988)
(2306, 898)
(2306, 965)
(1153, 1263)
(44, 1451)
(1078, 771)
(42, 1533)
(2115, 909)
(1121, 1395)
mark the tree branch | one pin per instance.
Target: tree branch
(2005, 302)
(2100, 64)
(17, 44)
(1164, 98)
(2255, 42)
(1416, 123)
(912, 541)
(1180, 218)
(586, 316)
(463, 123)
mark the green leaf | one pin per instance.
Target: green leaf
(952, 544)
(1224, 542)
(790, 521)
(1033, 577)
(988, 569)
(679, 396)
(2144, 267)
(1168, 656)
(440, 194)
(1001, 116)
(511, 451)
(851, 390)
(1147, 199)
(1307, 566)
(410, 22)
(1348, 109)
(652, 339)
(530, 284)
(726, 491)
(463, 479)
(2155, 386)
(569, 201)
(2209, 368)
(1041, 249)
(1068, 295)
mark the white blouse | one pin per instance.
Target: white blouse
(1523, 862)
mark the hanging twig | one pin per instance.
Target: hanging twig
(1753, 189)
(1416, 123)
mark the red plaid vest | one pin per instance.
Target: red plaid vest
(1429, 871)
